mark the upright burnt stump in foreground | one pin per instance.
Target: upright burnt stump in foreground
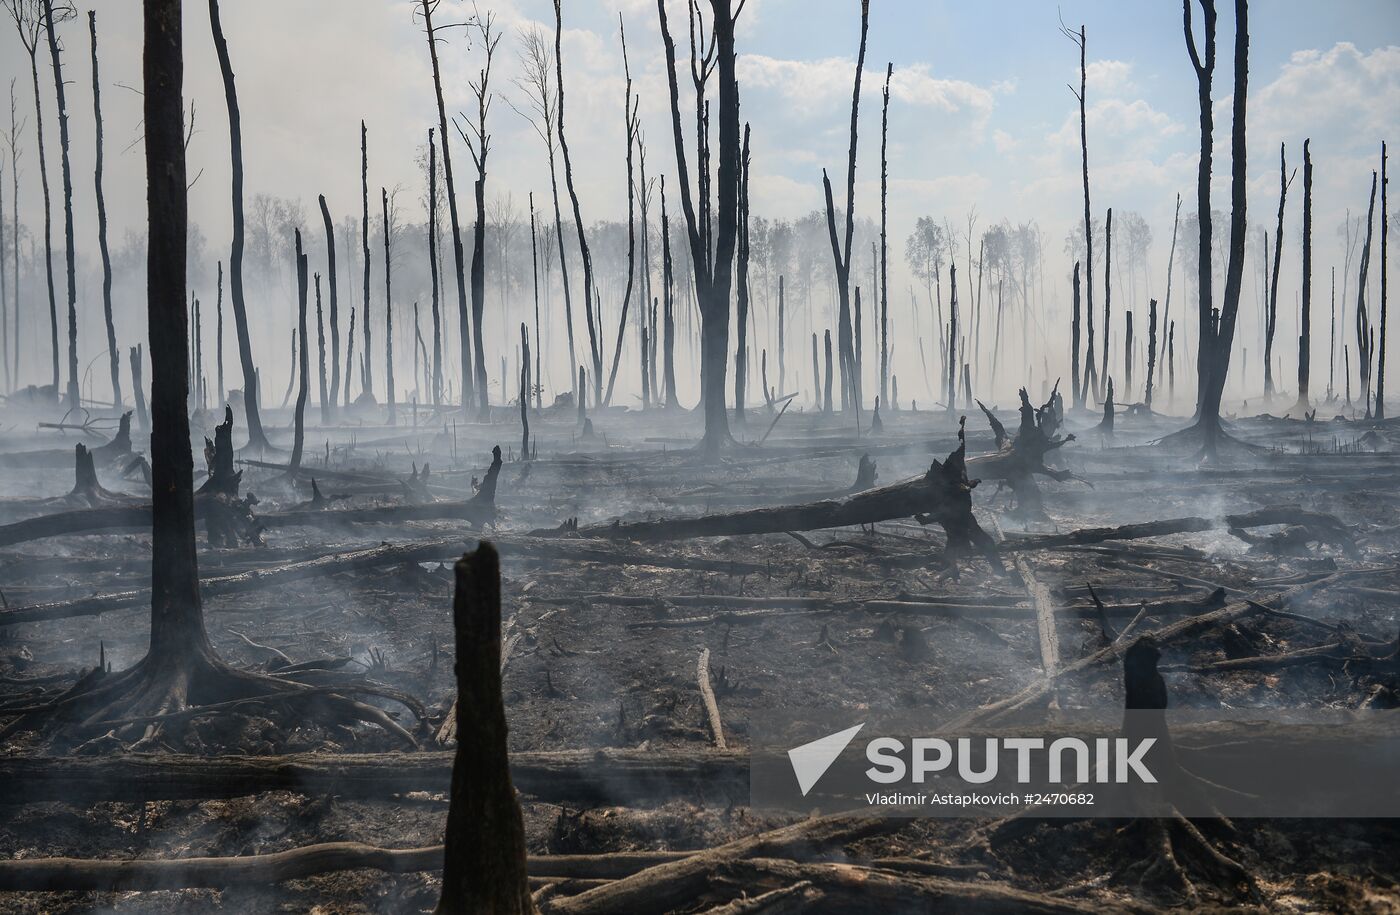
(485, 842)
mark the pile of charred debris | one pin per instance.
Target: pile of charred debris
(635, 607)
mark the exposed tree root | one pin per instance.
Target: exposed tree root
(1017, 462)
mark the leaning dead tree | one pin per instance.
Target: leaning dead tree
(1216, 327)
(113, 354)
(841, 253)
(1365, 331)
(1385, 233)
(484, 849)
(256, 438)
(712, 240)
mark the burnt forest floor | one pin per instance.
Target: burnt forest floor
(602, 655)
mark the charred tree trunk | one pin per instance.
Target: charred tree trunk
(219, 334)
(349, 355)
(113, 354)
(321, 357)
(74, 398)
(884, 244)
(335, 312)
(1385, 232)
(1074, 340)
(1218, 331)
(1128, 354)
(367, 325)
(177, 619)
(433, 266)
(538, 386)
(1171, 260)
(741, 354)
(1365, 333)
(629, 111)
(594, 349)
(256, 438)
(29, 35)
(952, 348)
(143, 420)
(388, 307)
(782, 339)
(816, 376)
(1107, 292)
(481, 89)
(1271, 318)
(1089, 377)
(484, 851)
(303, 362)
(850, 380)
(826, 398)
(1151, 348)
(457, 252)
(712, 255)
(668, 300)
(524, 392)
(1305, 331)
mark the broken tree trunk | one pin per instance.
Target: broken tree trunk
(303, 360)
(1018, 461)
(485, 839)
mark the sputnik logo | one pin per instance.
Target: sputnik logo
(811, 760)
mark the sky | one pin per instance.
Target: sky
(981, 118)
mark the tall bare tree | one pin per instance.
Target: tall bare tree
(433, 269)
(335, 306)
(594, 346)
(884, 241)
(1083, 388)
(1365, 329)
(479, 145)
(1385, 232)
(256, 438)
(29, 18)
(366, 325)
(712, 253)
(74, 397)
(113, 354)
(458, 255)
(629, 111)
(1217, 328)
(841, 253)
(1271, 314)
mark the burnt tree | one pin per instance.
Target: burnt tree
(1365, 332)
(632, 126)
(479, 145)
(841, 253)
(1271, 314)
(1090, 379)
(335, 310)
(712, 243)
(113, 354)
(433, 269)
(74, 398)
(303, 362)
(741, 314)
(884, 249)
(593, 343)
(1385, 232)
(484, 845)
(256, 437)
(1305, 330)
(388, 306)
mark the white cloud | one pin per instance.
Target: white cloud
(1109, 77)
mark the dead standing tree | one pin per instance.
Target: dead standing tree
(29, 20)
(1271, 316)
(1090, 380)
(1385, 232)
(257, 439)
(65, 12)
(1300, 409)
(712, 252)
(479, 145)
(458, 256)
(1217, 328)
(367, 326)
(594, 346)
(388, 225)
(181, 669)
(335, 312)
(113, 354)
(537, 64)
(741, 315)
(629, 111)
(303, 364)
(850, 375)
(884, 248)
(1365, 332)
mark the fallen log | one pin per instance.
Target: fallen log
(583, 777)
(942, 495)
(1021, 543)
(107, 875)
(666, 886)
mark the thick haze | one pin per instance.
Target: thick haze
(981, 117)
